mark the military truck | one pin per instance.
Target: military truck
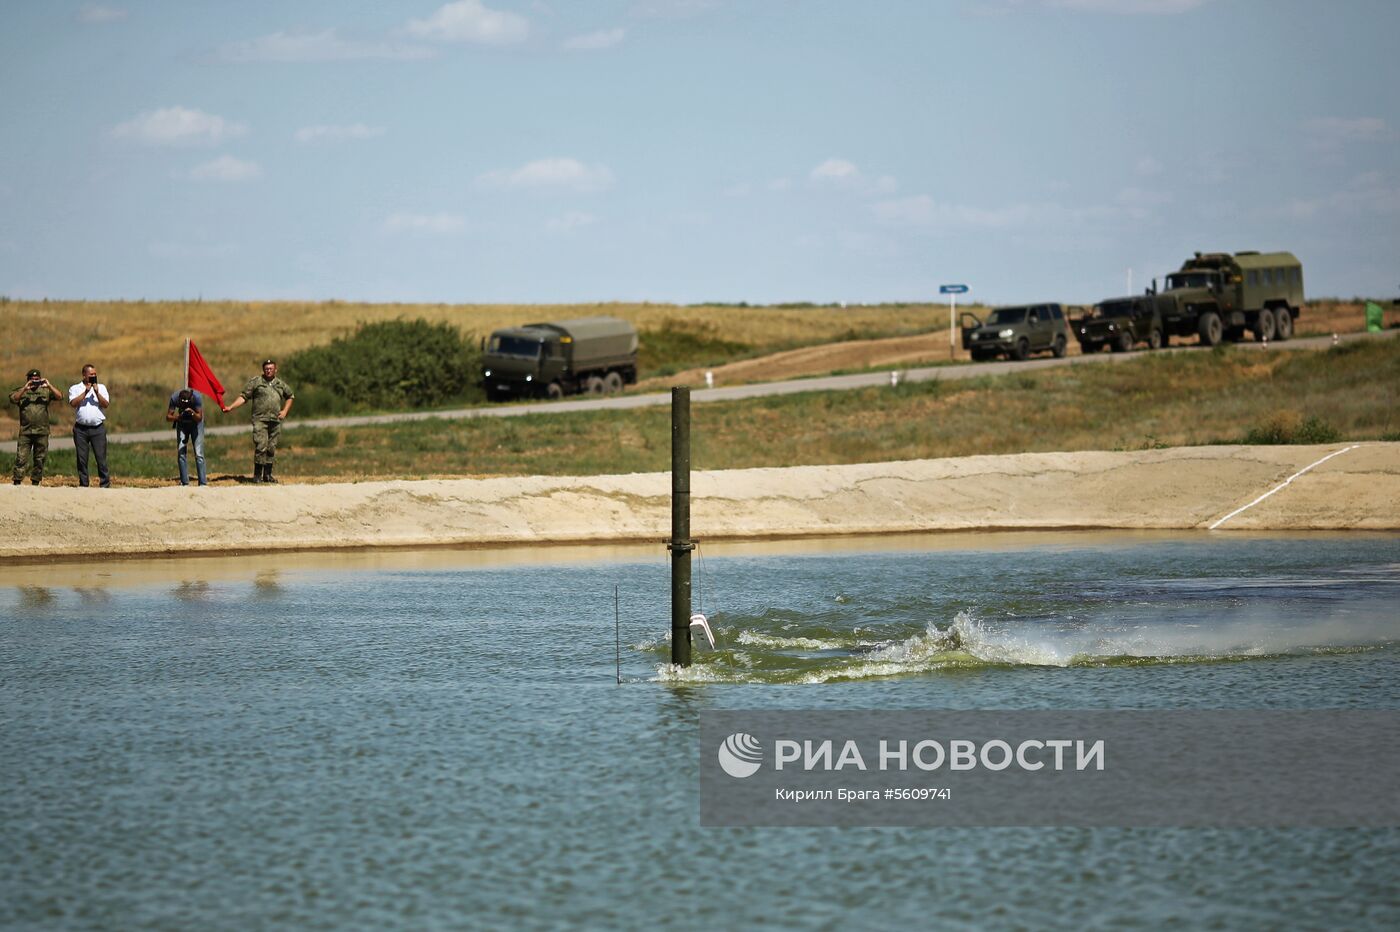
(1218, 296)
(1016, 332)
(593, 355)
(1121, 323)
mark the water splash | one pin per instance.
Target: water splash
(820, 652)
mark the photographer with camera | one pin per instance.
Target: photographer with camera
(186, 412)
(33, 398)
(90, 401)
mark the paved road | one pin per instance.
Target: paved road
(831, 383)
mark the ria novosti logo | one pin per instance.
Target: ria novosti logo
(740, 755)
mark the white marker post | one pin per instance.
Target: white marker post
(952, 291)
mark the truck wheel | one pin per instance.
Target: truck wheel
(978, 355)
(1210, 328)
(1021, 350)
(1283, 324)
(1166, 338)
(1059, 348)
(612, 383)
(1154, 339)
(594, 385)
(1123, 342)
(554, 391)
(1264, 326)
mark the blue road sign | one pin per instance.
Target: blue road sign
(952, 289)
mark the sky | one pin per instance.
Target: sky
(543, 151)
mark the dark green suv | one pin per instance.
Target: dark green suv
(1016, 332)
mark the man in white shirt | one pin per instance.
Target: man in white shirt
(90, 400)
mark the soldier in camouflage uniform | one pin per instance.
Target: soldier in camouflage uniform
(33, 398)
(271, 399)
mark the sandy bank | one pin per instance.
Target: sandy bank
(1184, 488)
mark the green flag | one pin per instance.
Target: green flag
(1375, 319)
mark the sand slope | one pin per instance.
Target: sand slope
(1191, 487)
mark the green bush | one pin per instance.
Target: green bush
(676, 346)
(1288, 427)
(387, 364)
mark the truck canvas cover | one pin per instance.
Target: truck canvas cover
(594, 338)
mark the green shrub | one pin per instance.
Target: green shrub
(1290, 427)
(386, 364)
(675, 346)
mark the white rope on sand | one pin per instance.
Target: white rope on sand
(1282, 484)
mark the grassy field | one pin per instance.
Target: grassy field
(138, 346)
(1350, 392)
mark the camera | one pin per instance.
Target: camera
(91, 380)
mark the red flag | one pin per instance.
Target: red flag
(202, 378)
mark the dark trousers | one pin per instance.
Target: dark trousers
(94, 438)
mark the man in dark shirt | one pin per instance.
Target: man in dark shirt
(186, 412)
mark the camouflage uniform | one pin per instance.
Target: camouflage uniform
(266, 399)
(33, 431)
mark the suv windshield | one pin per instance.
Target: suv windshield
(514, 346)
(1116, 309)
(1007, 315)
(1190, 280)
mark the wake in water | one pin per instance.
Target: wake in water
(785, 649)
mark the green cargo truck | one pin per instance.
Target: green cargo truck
(593, 355)
(1218, 296)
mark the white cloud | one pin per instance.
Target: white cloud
(1120, 7)
(175, 126)
(94, 13)
(173, 250)
(1154, 7)
(1334, 132)
(1147, 166)
(318, 47)
(569, 222)
(441, 224)
(593, 41)
(835, 170)
(227, 168)
(673, 9)
(780, 184)
(338, 133)
(470, 21)
(1369, 193)
(556, 173)
(923, 211)
(845, 174)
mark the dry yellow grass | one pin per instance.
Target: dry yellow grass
(138, 342)
(138, 345)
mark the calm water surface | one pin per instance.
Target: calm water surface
(438, 740)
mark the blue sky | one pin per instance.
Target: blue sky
(690, 150)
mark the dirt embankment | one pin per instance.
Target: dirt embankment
(1253, 488)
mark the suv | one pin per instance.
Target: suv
(1121, 323)
(1016, 332)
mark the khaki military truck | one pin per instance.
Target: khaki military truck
(1016, 332)
(592, 355)
(1218, 296)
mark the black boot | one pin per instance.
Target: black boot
(267, 473)
(257, 472)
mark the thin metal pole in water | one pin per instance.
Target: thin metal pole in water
(680, 543)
